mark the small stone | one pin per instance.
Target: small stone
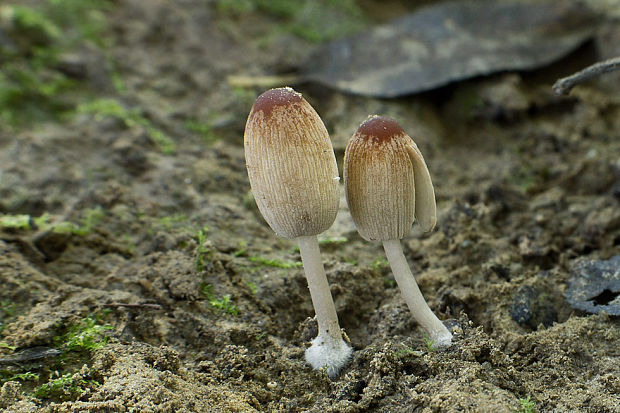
(130, 155)
(530, 308)
(594, 286)
(73, 65)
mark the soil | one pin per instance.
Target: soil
(527, 183)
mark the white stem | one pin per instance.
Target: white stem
(328, 349)
(319, 288)
(413, 296)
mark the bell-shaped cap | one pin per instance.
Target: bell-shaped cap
(291, 164)
(387, 182)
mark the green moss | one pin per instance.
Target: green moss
(223, 303)
(129, 243)
(64, 387)
(406, 350)
(7, 311)
(252, 287)
(7, 308)
(168, 221)
(201, 250)
(42, 221)
(523, 179)
(329, 241)
(22, 221)
(245, 97)
(15, 221)
(526, 405)
(26, 376)
(32, 87)
(172, 224)
(87, 221)
(203, 129)
(428, 343)
(111, 108)
(6, 346)
(37, 24)
(75, 342)
(312, 20)
(241, 250)
(389, 282)
(274, 262)
(90, 218)
(85, 335)
(79, 19)
(379, 264)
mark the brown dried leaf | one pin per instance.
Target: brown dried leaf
(451, 41)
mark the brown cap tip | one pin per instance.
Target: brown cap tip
(380, 128)
(272, 98)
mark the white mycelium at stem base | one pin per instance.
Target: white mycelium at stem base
(294, 178)
(388, 186)
(328, 349)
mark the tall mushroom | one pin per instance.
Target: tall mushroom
(294, 178)
(388, 186)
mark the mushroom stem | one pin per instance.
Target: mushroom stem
(319, 288)
(437, 332)
(328, 349)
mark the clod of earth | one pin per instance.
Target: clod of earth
(594, 286)
(388, 186)
(294, 178)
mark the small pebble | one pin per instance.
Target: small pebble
(594, 286)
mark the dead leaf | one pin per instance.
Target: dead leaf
(451, 41)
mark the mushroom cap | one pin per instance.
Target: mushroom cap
(291, 164)
(387, 182)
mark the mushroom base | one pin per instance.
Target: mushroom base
(328, 353)
(441, 339)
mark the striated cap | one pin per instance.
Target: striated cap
(387, 182)
(291, 164)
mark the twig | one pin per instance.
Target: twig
(564, 85)
(145, 305)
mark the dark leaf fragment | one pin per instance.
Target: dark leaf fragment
(29, 354)
(594, 286)
(451, 41)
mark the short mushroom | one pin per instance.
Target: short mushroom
(294, 179)
(388, 186)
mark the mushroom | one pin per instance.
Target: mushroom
(294, 178)
(388, 186)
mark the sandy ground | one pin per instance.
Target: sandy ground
(528, 186)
